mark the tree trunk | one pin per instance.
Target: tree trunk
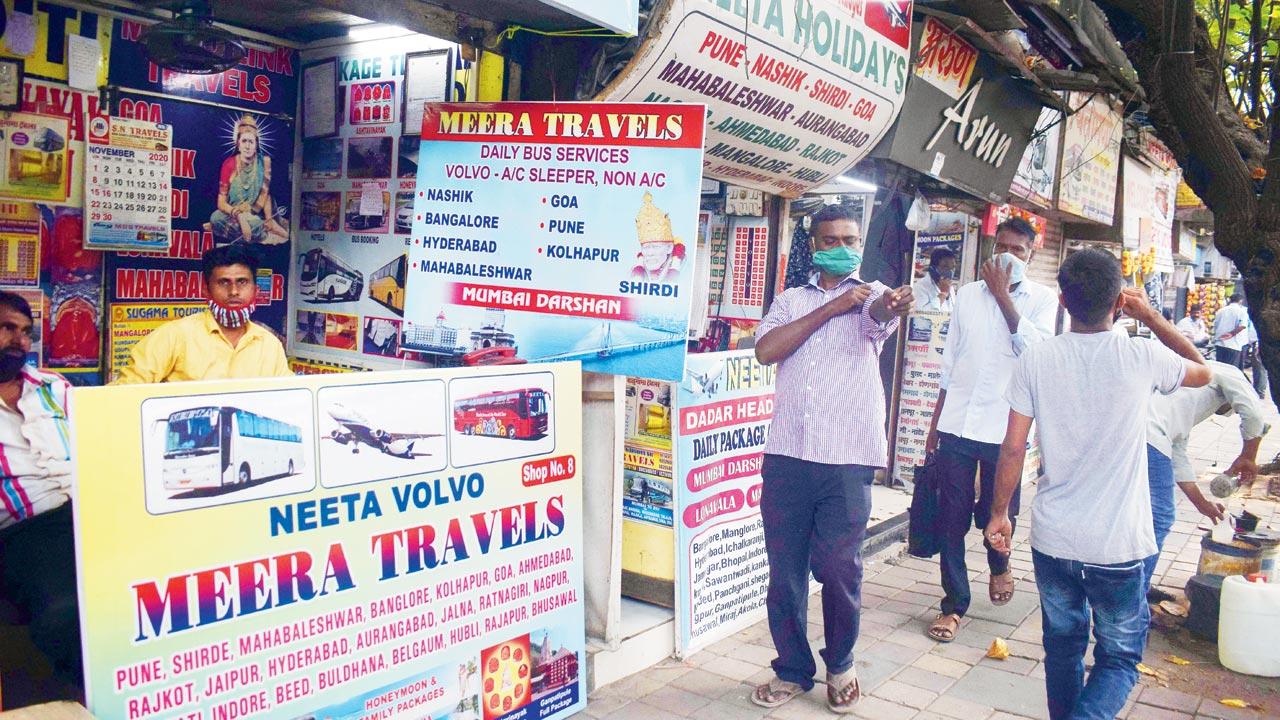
(1255, 67)
(1215, 149)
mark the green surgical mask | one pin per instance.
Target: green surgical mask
(837, 261)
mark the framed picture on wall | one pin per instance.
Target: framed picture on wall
(11, 72)
(426, 79)
(320, 99)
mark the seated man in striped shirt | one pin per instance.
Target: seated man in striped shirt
(826, 440)
(37, 549)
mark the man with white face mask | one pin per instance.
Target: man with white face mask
(992, 323)
(218, 344)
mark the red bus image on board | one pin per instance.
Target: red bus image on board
(519, 414)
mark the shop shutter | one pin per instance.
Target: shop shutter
(1044, 266)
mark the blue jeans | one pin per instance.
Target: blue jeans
(815, 518)
(1160, 477)
(1116, 595)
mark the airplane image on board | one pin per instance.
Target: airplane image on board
(360, 431)
(706, 383)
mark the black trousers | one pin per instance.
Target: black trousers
(815, 517)
(38, 575)
(959, 459)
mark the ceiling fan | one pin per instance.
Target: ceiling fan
(191, 43)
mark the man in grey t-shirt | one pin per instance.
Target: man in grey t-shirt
(1088, 390)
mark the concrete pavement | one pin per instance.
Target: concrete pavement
(907, 676)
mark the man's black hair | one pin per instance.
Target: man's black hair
(1195, 307)
(1090, 281)
(829, 213)
(941, 254)
(1237, 296)
(224, 255)
(1019, 226)
(16, 303)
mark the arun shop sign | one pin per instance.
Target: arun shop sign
(965, 120)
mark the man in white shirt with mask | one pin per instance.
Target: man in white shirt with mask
(935, 291)
(992, 323)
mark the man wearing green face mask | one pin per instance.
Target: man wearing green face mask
(825, 442)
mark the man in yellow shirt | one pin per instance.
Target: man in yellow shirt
(221, 343)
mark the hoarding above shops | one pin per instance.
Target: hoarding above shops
(969, 120)
(794, 97)
(619, 15)
(1090, 167)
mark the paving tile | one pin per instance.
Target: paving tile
(921, 678)
(1019, 665)
(963, 653)
(960, 709)
(874, 708)
(1210, 707)
(707, 684)
(874, 670)
(640, 711)
(731, 668)
(912, 636)
(720, 710)
(599, 706)
(810, 706)
(676, 701)
(756, 654)
(1169, 699)
(1151, 712)
(923, 599)
(947, 667)
(895, 653)
(904, 694)
(1019, 607)
(903, 608)
(1007, 692)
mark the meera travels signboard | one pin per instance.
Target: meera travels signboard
(796, 93)
(346, 546)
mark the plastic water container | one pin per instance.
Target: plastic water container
(1249, 627)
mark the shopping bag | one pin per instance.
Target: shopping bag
(924, 536)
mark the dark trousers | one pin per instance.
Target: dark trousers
(38, 575)
(959, 459)
(815, 517)
(1227, 355)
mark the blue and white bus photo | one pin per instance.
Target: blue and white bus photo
(221, 447)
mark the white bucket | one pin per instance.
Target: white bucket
(1249, 627)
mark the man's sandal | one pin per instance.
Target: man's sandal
(1000, 588)
(843, 692)
(775, 692)
(944, 628)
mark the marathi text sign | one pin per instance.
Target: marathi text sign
(1090, 167)
(338, 546)
(523, 239)
(794, 96)
(918, 395)
(725, 407)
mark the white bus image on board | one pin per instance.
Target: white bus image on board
(223, 446)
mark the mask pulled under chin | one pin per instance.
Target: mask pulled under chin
(11, 364)
(229, 317)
